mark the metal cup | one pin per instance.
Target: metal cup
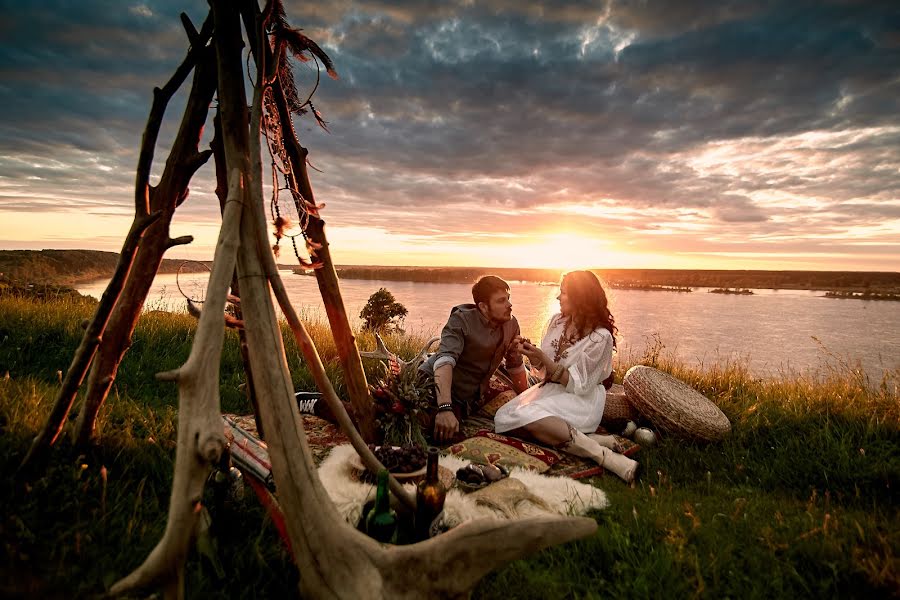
(644, 437)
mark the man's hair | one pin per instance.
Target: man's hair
(486, 287)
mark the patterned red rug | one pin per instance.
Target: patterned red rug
(321, 435)
(476, 442)
(559, 463)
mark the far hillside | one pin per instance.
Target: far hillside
(70, 267)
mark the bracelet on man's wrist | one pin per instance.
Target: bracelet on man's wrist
(445, 407)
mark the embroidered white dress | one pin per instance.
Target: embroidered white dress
(580, 403)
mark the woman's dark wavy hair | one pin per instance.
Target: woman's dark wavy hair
(590, 308)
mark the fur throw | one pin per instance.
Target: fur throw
(531, 495)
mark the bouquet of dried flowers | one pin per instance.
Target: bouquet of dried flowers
(402, 396)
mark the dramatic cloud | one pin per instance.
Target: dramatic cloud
(709, 134)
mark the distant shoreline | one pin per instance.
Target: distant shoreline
(671, 280)
(74, 267)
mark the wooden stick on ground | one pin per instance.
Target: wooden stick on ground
(90, 341)
(183, 161)
(326, 277)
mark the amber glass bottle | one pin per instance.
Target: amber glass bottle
(381, 522)
(430, 496)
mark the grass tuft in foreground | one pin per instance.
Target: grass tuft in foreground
(800, 501)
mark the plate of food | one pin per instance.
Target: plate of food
(403, 462)
(474, 476)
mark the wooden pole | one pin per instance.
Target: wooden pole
(326, 276)
(183, 161)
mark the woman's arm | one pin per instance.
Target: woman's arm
(591, 364)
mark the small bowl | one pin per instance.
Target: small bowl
(472, 487)
(357, 463)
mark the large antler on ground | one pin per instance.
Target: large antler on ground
(201, 439)
(381, 352)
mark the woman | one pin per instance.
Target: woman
(575, 357)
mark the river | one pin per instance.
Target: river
(771, 331)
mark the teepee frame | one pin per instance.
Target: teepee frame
(334, 559)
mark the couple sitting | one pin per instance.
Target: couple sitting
(575, 357)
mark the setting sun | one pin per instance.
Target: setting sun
(567, 250)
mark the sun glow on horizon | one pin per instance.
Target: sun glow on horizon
(566, 250)
(563, 249)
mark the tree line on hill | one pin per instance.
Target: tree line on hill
(69, 267)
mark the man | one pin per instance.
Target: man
(475, 340)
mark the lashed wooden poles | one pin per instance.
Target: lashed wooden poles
(301, 336)
(183, 161)
(326, 277)
(201, 439)
(335, 560)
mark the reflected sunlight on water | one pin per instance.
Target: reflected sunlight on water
(770, 330)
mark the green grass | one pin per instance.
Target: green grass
(800, 501)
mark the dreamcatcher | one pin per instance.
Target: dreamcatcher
(290, 210)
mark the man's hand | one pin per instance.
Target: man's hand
(446, 425)
(517, 343)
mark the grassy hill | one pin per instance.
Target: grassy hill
(68, 267)
(799, 501)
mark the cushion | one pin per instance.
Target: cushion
(673, 406)
(488, 447)
(499, 391)
(617, 407)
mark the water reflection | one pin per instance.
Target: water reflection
(768, 331)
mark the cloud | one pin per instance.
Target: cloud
(708, 124)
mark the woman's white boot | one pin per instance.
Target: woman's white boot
(607, 441)
(584, 446)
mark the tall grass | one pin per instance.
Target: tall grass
(799, 501)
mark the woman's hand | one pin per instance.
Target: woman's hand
(534, 354)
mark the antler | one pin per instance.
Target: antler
(383, 353)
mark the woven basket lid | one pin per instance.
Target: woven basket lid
(673, 406)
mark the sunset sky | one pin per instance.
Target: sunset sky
(683, 134)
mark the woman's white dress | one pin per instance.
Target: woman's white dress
(580, 403)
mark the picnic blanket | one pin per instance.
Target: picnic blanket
(528, 493)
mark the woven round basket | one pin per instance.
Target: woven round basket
(673, 406)
(617, 406)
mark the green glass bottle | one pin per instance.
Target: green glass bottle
(430, 496)
(381, 523)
